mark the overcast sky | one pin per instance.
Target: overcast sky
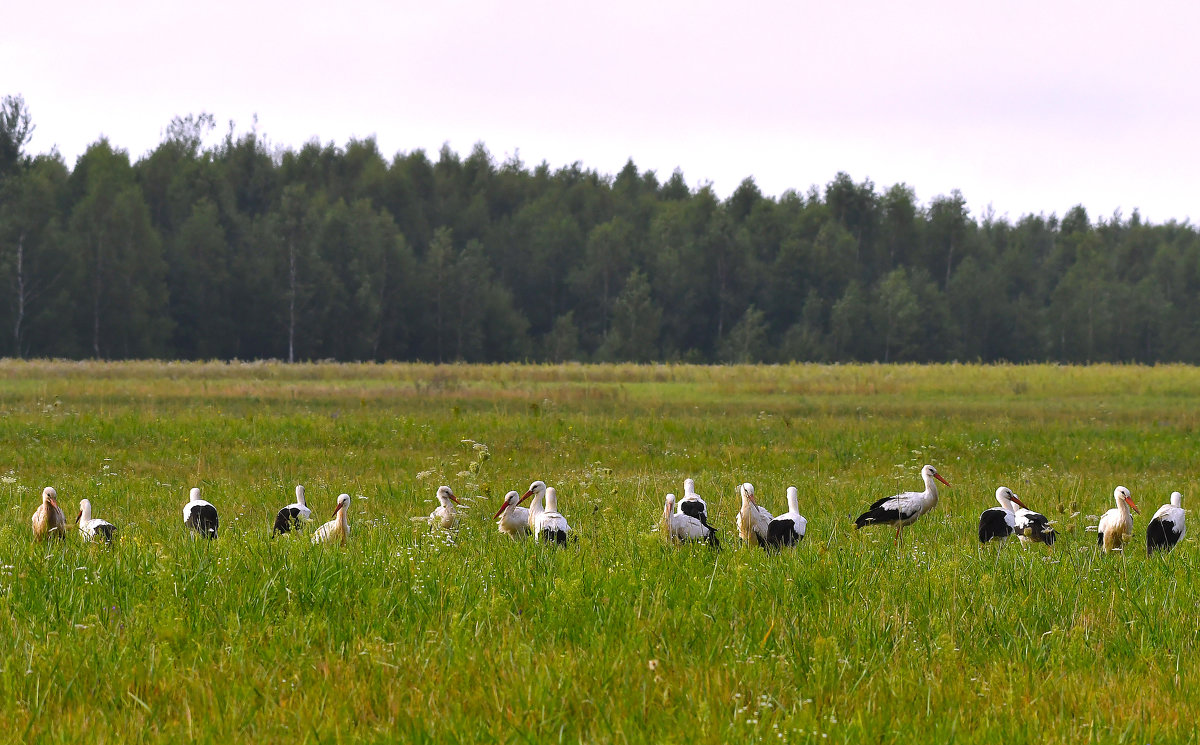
(1025, 106)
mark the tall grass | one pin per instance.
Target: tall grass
(411, 635)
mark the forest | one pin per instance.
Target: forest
(249, 250)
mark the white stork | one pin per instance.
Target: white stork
(444, 515)
(512, 519)
(1166, 528)
(787, 529)
(48, 520)
(200, 516)
(90, 527)
(999, 522)
(752, 519)
(336, 530)
(692, 504)
(544, 519)
(904, 509)
(682, 527)
(1116, 525)
(289, 518)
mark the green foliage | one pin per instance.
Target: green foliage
(242, 248)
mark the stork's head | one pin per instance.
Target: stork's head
(300, 495)
(342, 503)
(194, 494)
(510, 500)
(49, 495)
(689, 487)
(537, 487)
(551, 499)
(1176, 499)
(1004, 494)
(929, 472)
(85, 510)
(1121, 494)
(445, 495)
(747, 492)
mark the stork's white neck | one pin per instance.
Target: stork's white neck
(931, 485)
(1005, 502)
(1176, 499)
(793, 499)
(535, 505)
(85, 510)
(300, 496)
(1124, 508)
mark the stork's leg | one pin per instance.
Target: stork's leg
(898, 528)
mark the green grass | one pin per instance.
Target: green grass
(406, 635)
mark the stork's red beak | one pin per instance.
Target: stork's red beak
(1016, 499)
(1132, 506)
(335, 509)
(454, 499)
(79, 516)
(503, 507)
(938, 476)
(525, 496)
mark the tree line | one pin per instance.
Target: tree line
(245, 250)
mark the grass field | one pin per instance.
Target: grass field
(405, 635)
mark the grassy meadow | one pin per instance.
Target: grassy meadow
(407, 635)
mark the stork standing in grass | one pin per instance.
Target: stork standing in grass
(444, 515)
(904, 509)
(1116, 525)
(1166, 528)
(200, 516)
(336, 530)
(91, 528)
(692, 504)
(788, 529)
(999, 522)
(545, 520)
(752, 519)
(684, 528)
(512, 519)
(289, 518)
(48, 520)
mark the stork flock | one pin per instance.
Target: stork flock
(684, 520)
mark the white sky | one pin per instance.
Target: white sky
(1026, 106)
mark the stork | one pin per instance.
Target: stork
(1116, 525)
(682, 527)
(1166, 528)
(788, 529)
(999, 522)
(752, 520)
(444, 515)
(289, 518)
(692, 504)
(48, 520)
(336, 530)
(89, 527)
(512, 519)
(544, 519)
(200, 516)
(904, 509)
